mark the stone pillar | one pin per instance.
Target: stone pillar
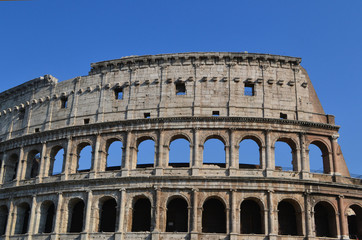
(128, 158)
(44, 163)
(269, 154)
(159, 161)
(271, 216)
(20, 166)
(227, 156)
(297, 160)
(308, 216)
(122, 210)
(233, 213)
(156, 212)
(59, 216)
(194, 227)
(96, 165)
(88, 213)
(68, 159)
(196, 161)
(262, 153)
(342, 218)
(10, 224)
(304, 159)
(33, 218)
(334, 144)
(2, 170)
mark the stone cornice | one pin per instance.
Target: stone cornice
(97, 128)
(194, 58)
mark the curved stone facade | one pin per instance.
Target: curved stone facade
(230, 97)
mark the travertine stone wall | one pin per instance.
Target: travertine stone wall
(44, 116)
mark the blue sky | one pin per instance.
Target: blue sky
(62, 38)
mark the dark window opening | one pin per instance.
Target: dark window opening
(15, 171)
(48, 228)
(249, 89)
(76, 222)
(108, 216)
(22, 219)
(64, 102)
(141, 221)
(33, 164)
(86, 121)
(251, 218)
(180, 89)
(177, 216)
(287, 219)
(147, 115)
(215, 113)
(21, 114)
(213, 217)
(11, 168)
(37, 130)
(283, 116)
(118, 93)
(26, 221)
(3, 219)
(354, 214)
(325, 220)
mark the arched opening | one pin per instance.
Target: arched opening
(84, 157)
(47, 211)
(354, 217)
(179, 154)
(214, 152)
(289, 218)
(108, 216)
(146, 154)
(114, 156)
(11, 168)
(22, 218)
(4, 212)
(76, 210)
(141, 216)
(249, 154)
(319, 157)
(251, 217)
(33, 164)
(213, 216)
(57, 161)
(284, 155)
(177, 215)
(325, 220)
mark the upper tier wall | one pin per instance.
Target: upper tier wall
(215, 83)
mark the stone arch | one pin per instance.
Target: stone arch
(56, 160)
(293, 145)
(354, 220)
(84, 161)
(177, 214)
(33, 164)
(175, 151)
(141, 214)
(214, 215)
(76, 210)
(107, 214)
(4, 213)
(148, 148)
(22, 218)
(114, 159)
(251, 216)
(209, 154)
(325, 219)
(290, 217)
(12, 166)
(47, 217)
(325, 150)
(257, 161)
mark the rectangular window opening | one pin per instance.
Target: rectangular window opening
(180, 88)
(64, 102)
(147, 115)
(37, 130)
(249, 89)
(215, 113)
(86, 121)
(118, 93)
(21, 114)
(283, 116)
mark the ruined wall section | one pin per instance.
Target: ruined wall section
(214, 83)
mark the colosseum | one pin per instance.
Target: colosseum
(195, 97)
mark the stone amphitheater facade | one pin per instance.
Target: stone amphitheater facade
(193, 96)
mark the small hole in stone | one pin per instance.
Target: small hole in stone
(147, 115)
(215, 113)
(86, 121)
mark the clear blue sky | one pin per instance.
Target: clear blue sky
(62, 38)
